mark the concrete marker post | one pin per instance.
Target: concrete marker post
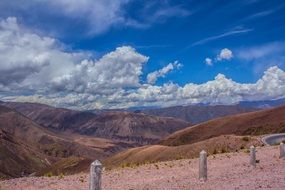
(252, 156)
(203, 166)
(95, 175)
(282, 150)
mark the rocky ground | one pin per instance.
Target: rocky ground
(226, 171)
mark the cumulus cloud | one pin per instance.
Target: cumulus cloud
(221, 90)
(27, 58)
(225, 54)
(208, 61)
(28, 61)
(35, 68)
(118, 69)
(152, 77)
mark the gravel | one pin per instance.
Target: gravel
(225, 171)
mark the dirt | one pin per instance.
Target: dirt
(225, 171)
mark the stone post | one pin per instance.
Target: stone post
(203, 166)
(95, 175)
(282, 150)
(252, 156)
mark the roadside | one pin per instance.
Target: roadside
(273, 139)
(226, 171)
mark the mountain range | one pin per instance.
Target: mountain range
(226, 134)
(37, 138)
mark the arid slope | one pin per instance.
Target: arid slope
(254, 123)
(199, 113)
(226, 171)
(27, 147)
(136, 128)
(132, 127)
(155, 153)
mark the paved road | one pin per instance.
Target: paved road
(273, 139)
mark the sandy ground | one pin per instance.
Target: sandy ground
(225, 171)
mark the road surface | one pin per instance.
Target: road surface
(273, 139)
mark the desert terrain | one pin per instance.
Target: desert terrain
(225, 171)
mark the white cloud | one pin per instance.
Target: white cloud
(229, 33)
(171, 11)
(261, 51)
(99, 14)
(152, 77)
(39, 66)
(28, 61)
(89, 17)
(94, 16)
(225, 54)
(219, 91)
(263, 56)
(208, 61)
(118, 69)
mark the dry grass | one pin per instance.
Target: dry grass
(152, 154)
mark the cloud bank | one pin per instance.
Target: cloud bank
(36, 68)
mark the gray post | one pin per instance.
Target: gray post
(252, 156)
(203, 166)
(95, 175)
(282, 150)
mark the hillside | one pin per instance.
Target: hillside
(157, 153)
(136, 128)
(229, 171)
(18, 159)
(59, 119)
(254, 123)
(131, 127)
(198, 113)
(27, 147)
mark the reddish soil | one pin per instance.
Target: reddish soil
(255, 123)
(226, 171)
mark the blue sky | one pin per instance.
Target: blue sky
(240, 40)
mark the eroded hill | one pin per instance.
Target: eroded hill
(254, 123)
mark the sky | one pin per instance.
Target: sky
(105, 54)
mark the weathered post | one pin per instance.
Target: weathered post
(95, 175)
(282, 150)
(203, 166)
(252, 156)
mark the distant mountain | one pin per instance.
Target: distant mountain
(58, 119)
(263, 104)
(137, 128)
(255, 123)
(226, 134)
(131, 127)
(198, 113)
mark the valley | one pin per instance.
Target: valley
(43, 140)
